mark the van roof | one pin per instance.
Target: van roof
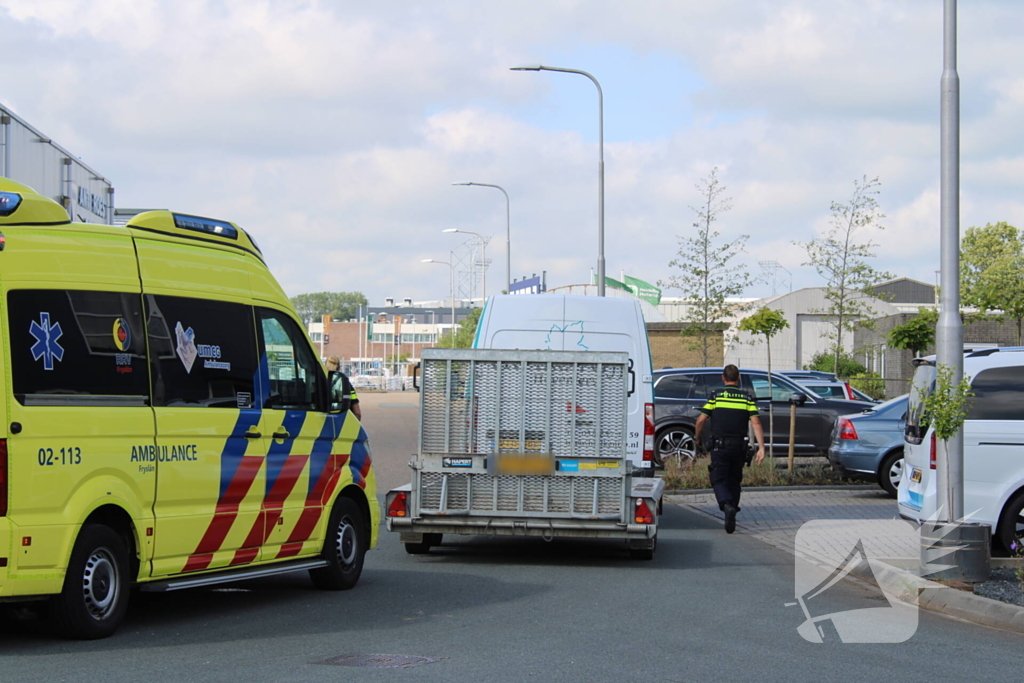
(20, 205)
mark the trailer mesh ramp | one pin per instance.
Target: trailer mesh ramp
(493, 402)
(570, 406)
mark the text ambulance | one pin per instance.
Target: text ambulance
(164, 420)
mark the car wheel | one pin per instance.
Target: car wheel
(1011, 524)
(344, 548)
(890, 472)
(674, 444)
(94, 598)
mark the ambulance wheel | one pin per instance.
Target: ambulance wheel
(94, 599)
(424, 546)
(344, 548)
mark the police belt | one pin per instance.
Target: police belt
(728, 442)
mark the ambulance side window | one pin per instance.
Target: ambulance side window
(71, 347)
(204, 352)
(296, 378)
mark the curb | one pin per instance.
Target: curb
(911, 589)
(756, 489)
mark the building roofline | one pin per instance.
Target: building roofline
(96, 174)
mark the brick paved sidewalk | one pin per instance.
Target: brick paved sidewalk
(775, 517)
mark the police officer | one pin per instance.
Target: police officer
(342, 387)
(730, 410)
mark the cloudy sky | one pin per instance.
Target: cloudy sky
(333, 130)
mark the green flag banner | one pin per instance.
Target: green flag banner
(369, 329)
(613, 283)
(644, 290)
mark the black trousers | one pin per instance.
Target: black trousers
(726, 470)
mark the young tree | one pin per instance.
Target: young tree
(708, 272)
(992, 271)
(339, 305)
(843, 261)
(917, 334)
(464, 332)
(768, 322)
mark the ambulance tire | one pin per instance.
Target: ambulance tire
(344, 548)
(94, 599)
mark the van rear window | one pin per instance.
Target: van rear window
(76, 347)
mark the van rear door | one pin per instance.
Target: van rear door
(577, 323)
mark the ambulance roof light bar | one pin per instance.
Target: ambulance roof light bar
(208, 225)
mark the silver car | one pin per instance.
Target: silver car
(869, 445)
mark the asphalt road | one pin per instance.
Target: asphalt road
(708, 607)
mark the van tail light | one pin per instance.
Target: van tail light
(399, 505)
(4, 476)
(933, 456)
(648, 432)
(643, 512)
(847, 430)
(849, 391)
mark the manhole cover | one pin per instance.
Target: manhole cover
(380, 661)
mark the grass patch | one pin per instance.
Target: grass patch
(694, 475)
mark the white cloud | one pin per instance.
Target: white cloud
(333, 131)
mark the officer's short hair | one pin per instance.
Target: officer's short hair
(731, 373)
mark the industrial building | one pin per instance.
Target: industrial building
(30, 157)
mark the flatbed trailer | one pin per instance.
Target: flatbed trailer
(525, 443)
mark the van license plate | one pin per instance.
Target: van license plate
(915, 476)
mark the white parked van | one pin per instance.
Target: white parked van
(993, 444)
(581, 323)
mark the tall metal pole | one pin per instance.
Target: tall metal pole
(600, 163)
(508, 235)
(949, 332)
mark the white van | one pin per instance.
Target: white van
(993, 444)
(581, 323)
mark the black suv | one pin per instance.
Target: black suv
(679, 392)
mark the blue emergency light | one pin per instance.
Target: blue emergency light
(9, 201)
(207, 225)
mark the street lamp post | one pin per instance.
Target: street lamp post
(483, 252)
(452, 268)
(600, 163)
(508, 231)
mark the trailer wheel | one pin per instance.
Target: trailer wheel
(94, 599)
(644, 553)
(344, 548)
(423, 547)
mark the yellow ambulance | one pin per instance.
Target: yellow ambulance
(164, 420)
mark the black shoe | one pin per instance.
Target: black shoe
(730, 518)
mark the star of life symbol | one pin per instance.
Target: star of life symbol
(829, 550)
(46, 336)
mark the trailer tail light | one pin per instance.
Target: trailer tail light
(643, 512)
(399, 505)
(4, 476)
(648, 432)
(846, 429)
(933, 456)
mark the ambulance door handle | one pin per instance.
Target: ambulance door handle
(281, 434)
(253, 435)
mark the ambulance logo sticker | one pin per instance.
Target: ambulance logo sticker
(186, 349)
(122, 334)
(46, 336)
